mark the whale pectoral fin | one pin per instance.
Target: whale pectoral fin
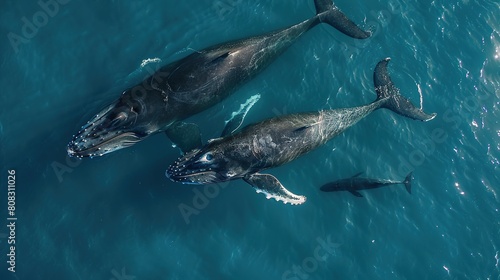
(232, 126)
(355, 193)
(237, 117)
(357, 175)
(186, 136)
(272, 188)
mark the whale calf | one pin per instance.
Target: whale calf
(276, 141)
(355, 183)
(191, 85)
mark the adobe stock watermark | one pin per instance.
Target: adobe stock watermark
(121, 276)
(225, 7)
(68, 166)
(310, 264)
(30, 27)
(201, 200)
(426, 147)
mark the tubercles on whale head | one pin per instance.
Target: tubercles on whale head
(204, 166)
(123, 123)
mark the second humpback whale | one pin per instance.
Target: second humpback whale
(356, 183)
(191, 85)
(279, 140)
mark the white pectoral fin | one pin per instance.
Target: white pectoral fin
(272, 188)
(237, 117)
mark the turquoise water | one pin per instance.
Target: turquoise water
(118, 217)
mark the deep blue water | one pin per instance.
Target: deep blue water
(117, 217)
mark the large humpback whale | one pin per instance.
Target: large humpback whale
(279, 140)
(193, 84)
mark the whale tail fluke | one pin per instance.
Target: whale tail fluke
(407, 182)
(327, 12)
(386, 89)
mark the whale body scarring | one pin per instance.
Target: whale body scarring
(193, 84)
(276, 141)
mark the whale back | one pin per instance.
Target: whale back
(276, 141)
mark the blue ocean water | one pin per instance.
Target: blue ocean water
(118, 217)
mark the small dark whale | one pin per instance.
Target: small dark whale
(356, 183)
(276, 141)
(191, 85)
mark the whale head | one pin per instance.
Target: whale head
(205, 166)
(128, 120)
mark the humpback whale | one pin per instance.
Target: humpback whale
(276, 141)
(356, 183)
(191, 85)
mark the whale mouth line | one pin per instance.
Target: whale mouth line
(197, 177)
(97, 150)
(184, 175)
(175, 175)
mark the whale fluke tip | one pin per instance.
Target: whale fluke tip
(328, 13)
(432, 116)
(386, 89)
